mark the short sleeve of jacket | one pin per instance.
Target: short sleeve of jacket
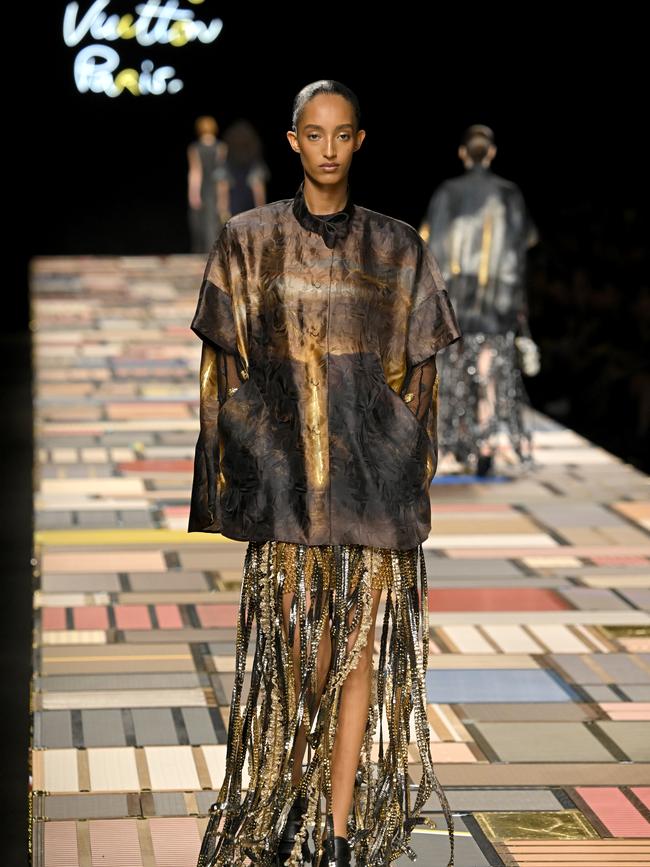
(432, 318)
(214, 320)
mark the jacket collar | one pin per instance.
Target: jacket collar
(329, 230)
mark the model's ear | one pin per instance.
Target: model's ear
(293, 141)
(360, 137)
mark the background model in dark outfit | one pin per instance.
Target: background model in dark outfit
(242, 183)
(478, 228)
(205, 158)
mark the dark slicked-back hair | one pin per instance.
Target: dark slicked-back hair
(324, 85)
(477, 139)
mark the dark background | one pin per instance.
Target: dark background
(94, 175)
(108, 175)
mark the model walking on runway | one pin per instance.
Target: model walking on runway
(479, 230)
(320, 321)
(206, 157)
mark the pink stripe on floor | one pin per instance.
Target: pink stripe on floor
(643, 794)
(114, 842)
(175, 841)
(217, 615)
(496, 599)
(169, 617)
(53, 618)
(103, 561)
(615, 811)
(627, 710)
(159, 410)
(132, 617)
(60, 844)
(155, 466)
(90, 617)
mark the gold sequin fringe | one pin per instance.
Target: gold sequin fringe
(339, 582)
(287, 553)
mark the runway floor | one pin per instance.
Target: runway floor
(539, 666)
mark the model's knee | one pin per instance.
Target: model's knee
(363, 667)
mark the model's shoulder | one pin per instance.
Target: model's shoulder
(251, 218)
(405, 231)
(504, 184)
(454, 182)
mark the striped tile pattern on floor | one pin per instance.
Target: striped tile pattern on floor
(539, 666)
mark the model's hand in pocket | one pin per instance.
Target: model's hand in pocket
(417, 391)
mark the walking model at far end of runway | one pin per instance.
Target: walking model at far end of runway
(242, 184)
(321, 320)
(206, 160)
(479, 230)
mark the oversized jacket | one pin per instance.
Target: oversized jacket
(317, 446)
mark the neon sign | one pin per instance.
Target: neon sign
(96, 67)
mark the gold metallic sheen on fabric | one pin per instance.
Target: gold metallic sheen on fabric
(332, 596)
(486, 243)
(317, 446)
(381, 565)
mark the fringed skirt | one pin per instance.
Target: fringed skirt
(331, 589)
(482, 395)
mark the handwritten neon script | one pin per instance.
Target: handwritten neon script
(96, 66)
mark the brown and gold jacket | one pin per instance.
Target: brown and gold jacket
(325, 321)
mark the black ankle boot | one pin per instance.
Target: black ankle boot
(291, 828)
(341, 855)
(484, 466)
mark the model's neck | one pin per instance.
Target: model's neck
(325, 198)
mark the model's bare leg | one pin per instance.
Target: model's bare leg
(487, 401)
(352, 721)
(322, 667)
(353, 712)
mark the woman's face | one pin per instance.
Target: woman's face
(326, 135)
